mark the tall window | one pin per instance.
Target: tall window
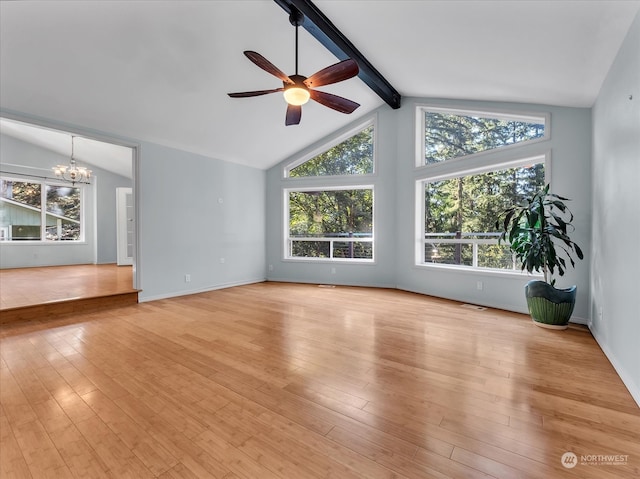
(37, 211)
(458, 203)
(332, 221)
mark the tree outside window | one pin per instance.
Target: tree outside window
(449, 135)
(331, 224)
(460, 215)
(37, 211)
(353, 156)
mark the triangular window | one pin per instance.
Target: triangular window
(450, 134)
(352, 156)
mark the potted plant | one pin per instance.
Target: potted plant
(537, 232)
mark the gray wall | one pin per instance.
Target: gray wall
(196, 212)
(616, 213)
(382, 272)
(570, 146)
(100, 244)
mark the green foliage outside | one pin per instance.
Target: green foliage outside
(334, 214)
(449, 136)
(354, 156)
(471, 204)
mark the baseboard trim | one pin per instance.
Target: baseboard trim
(145, 299)
(334, 283)
(632, 387)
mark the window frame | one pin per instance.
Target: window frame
(286, 230)
(488, 166)
(352, 131)
(44, 182)
(488, 113)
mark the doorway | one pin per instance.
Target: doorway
(113, 162)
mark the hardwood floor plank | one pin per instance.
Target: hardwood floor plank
(120, 460)
(150, 452)
(12, 462)
(41, 455)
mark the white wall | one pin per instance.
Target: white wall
(570, 146)
(194, 212)
(99, 208)
(615, 266)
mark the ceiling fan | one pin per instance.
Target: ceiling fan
(298, 89)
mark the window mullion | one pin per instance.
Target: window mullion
(43, 211)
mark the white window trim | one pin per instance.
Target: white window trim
(490, 113)
(43, 213)
(419, 227)
(287, 239)
(372, 121)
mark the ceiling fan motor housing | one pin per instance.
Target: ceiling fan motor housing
(296, 18)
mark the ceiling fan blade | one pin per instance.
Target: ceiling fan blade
(267, 66)
(334, 101)
(294, 114)
(332, 74)
(246, 94)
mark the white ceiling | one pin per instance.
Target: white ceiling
(159, 71)
(87, 151)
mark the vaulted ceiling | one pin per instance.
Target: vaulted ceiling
(159, 71)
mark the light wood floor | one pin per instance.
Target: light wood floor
(297, 381)
(30, 286)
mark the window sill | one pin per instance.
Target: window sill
(330, 261)
(479, 271)
(42, 243)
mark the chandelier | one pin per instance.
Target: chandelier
(72, 173)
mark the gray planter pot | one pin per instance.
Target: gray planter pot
(550, 307)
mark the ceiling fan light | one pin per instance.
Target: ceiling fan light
(296, 95)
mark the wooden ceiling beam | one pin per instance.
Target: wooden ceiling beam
(321, 28)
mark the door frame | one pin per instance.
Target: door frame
(122, 226)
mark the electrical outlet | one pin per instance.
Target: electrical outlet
(333, 271)
(270, 267)
(187, 278)
(221, 260)
(600, 315)
(479, 285)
